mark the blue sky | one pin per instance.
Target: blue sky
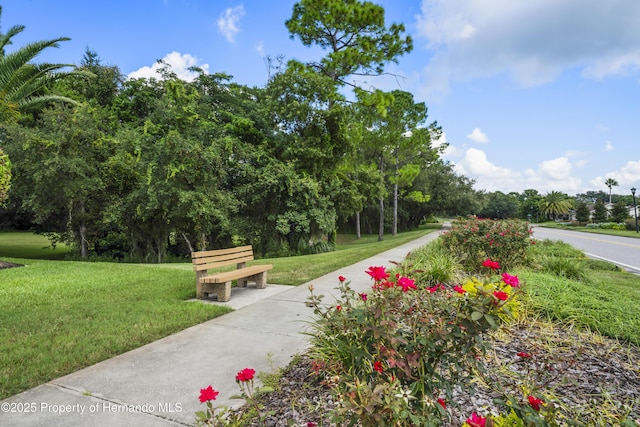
(541, 94)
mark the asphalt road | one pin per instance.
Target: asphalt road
(623, 251)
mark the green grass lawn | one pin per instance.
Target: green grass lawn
(24, 244)
(592, 294)
(59, 316)
(564, 226)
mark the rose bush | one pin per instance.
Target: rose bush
(473, 240)
(393, 355)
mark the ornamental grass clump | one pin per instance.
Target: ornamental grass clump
(392, 356)
(473, 240)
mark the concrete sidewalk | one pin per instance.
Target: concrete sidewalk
(159, 384)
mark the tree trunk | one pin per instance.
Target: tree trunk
(84, 252)
(381, 224)
(358, 234)
(394, 227)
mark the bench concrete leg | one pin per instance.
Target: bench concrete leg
(199, 290)
(261, 280)
(242, 283)
(224, 291)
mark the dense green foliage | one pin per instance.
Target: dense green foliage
(151, 169)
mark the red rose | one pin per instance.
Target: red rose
(377, 273)
(207, 394)
(494, 265)
(502, 296)
(406, 283)
(245, 375)
(476, 420)
(535, 402)
(459, 289)
(341, 278)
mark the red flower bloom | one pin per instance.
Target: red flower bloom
(494, 265)
(377, 366)
(363, 297)
(312, 424)
(502, 296)
(341, 278)
(378, 273)
(459, 289)
(245, 375)
(207, 394)
(435, 288)
(338, 307)
(476, 420)
(406, 283)
(535, 402)
(442, 403)
(511, 280)
(524, 355)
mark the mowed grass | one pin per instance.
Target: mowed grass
(57, 317)
(566, 286)
(24, 244)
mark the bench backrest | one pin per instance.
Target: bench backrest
(204, 260)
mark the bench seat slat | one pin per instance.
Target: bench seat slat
(211, 263)
(218, 252)
(236, 274)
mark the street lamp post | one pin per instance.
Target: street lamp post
(635, 209)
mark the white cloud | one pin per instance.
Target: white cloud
(556, 169)
(478, 136)
(179, 63)
(228, 22)
(628, 176)
(533, 41)
(550, 175)
(608, 146)
(475, 165)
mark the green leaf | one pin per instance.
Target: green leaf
(476, 315)
(491, 320)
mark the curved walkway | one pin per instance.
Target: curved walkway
(159, 384)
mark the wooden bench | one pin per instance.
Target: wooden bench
(220, 283)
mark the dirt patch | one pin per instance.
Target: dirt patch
(5, 264)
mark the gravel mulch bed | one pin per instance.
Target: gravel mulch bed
(589, 377)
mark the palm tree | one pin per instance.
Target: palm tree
(610, 182)
(22, 86)
(556, 203)
(22, 82)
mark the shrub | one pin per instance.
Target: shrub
(393, 356)
(473, 240)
